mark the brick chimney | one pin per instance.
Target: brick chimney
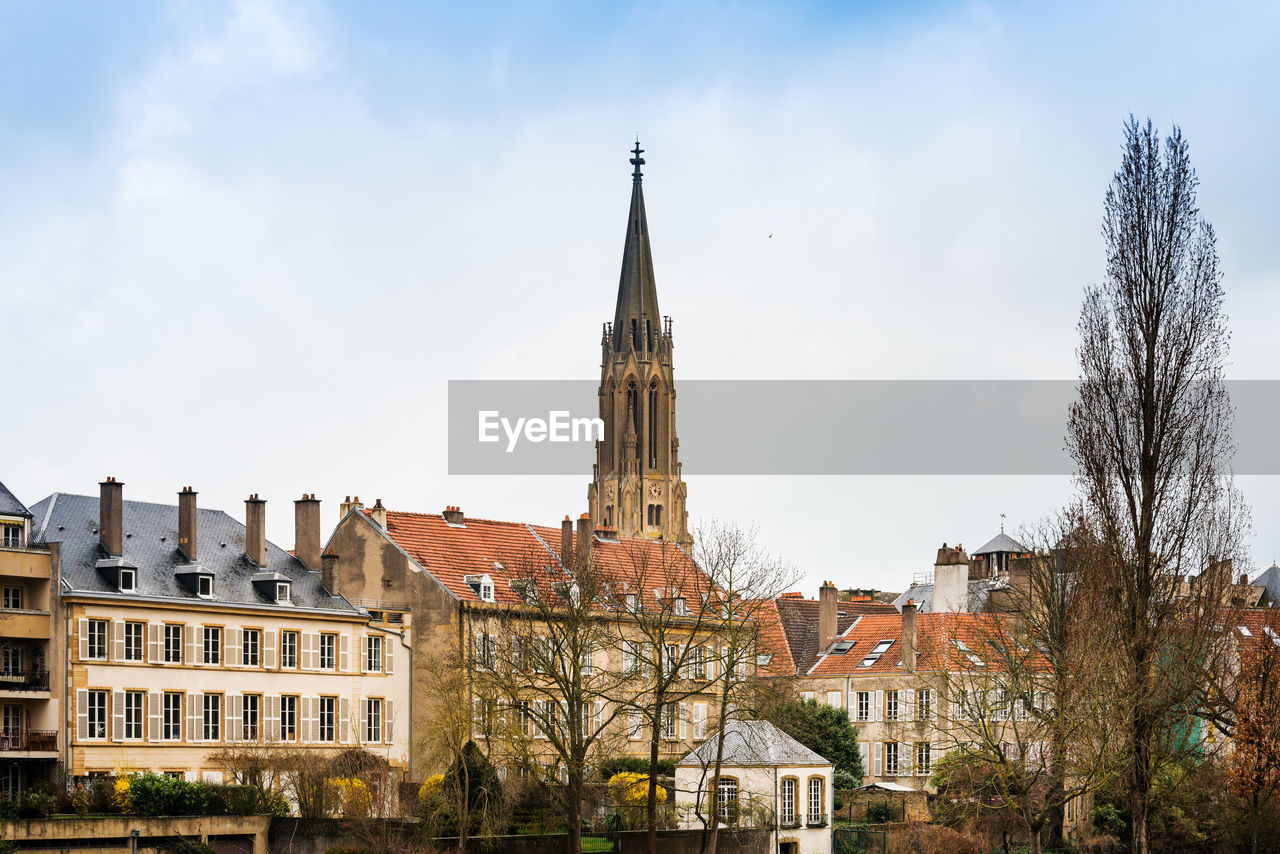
(329, 570)
(951, 580)
(909, 636)
(585, 538)
(187, 522)
(454, 515)
(379, 514)
(827, 600)
(111, 516)
(255, 529)
(306, 531)
(566, 541)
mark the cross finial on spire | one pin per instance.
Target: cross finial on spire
(637, 161)
(1002, 523)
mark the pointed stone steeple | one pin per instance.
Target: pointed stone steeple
(636, 320)
(636, 486)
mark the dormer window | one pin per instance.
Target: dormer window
(632, 601)
(681, 610)
(204, 588)
(128, 580)
(481, 585)
(283, 591)
(526, 589)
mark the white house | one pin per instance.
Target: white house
(767, 780)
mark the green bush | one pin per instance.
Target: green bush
(878, 812)
(157, 794)
(192, 845)
(100, 795)
(845, 779)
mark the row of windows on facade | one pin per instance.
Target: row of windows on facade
(905, 705)
(727, 806)
(531, 718)
(174, 716)
(897, 758)
(539, 655)
(177, 643)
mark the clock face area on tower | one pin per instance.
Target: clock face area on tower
(636, 487)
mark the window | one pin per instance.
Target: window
(328, 643)
(670, 722)
(892, 708)
(373, 654)
(924, 704)
(864, 705)
(97, 714)
(878, 650)
(1071, 810)
(924, 758)
(282, 591)
(288, 718)
(632, 601)
(806, 696)
(373, 721)
(12, 597)
(205, 586)
(671, 658)
(212, 716)
(12, 536)
(98, 639)
(727, 800)
(586, 659)
(133, 715)
(251, 716)
(835, 699)
(133, 641)
(633, 726)
(631, 658)
(12, 660)
(681, 610)
(699, 721)
(172, 717)
(328, 718)
(212, 645)
(128, 580)
(891, 758)
(700, 663)
(788, 801)
(288, 649)
(817, 810)
(12, 720)
(486, 651)
(250, 645)
(172, 644)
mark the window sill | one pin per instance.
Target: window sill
(821, 823)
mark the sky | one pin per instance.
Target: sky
(244, 246)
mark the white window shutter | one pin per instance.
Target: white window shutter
(908, 702)
(153, 718)
(117, 640)
(232, 646)
(699, 721)
(269, 649)
(366, 643)
(933, 706)
(193, 717)
(344, 653)
(117, 712)
(84, 643)
(153, 643)
(388, 721)
(82, 707)
(230, 702)
(597, 717)
(272, 717)
(906, 754)
(364, 722)
(344, 725)
(389, 654)
(877, 759)
(684, 721)
(863, 748)
(879, 706)
(304, 720)
(194, 644)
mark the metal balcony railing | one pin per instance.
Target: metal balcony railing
(24, 680)
(32, 739)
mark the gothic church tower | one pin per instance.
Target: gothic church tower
(636, 485)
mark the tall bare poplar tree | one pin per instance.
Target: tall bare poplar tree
(1150, 435)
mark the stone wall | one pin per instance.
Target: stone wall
(228, 834)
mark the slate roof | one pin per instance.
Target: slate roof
(922, 594)
(1001, 542)
(512, 550)
(10, 505)
(151, 543)
(1270, 581)
(799, 618)
(753, 743)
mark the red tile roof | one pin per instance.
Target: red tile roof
(771, 639)
(938, 639)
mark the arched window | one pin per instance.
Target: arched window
(726, 800)
(787, 805)
(653, 424)
(817, 805)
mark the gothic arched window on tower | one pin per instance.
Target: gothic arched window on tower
(635, 334)
(633, 404)
(653, 424)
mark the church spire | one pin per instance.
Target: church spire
(637, 324)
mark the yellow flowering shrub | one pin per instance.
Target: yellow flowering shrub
(430, 788)
(120, 795)
(352, 797)
(631, 789)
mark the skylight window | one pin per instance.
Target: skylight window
(969, 654)
(842, 647)
(1244, 630)
(1271, 634)
(876, 651)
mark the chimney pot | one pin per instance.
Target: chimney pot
(827, 598)
(454, 515)
(379, 513)
(255, 529)
(566, 541)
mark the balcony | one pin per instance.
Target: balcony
(25, 680)
(21, 563)
(32, 741)
(27, 623)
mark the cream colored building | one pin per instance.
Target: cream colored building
(190, 634)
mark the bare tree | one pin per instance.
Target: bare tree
(1150, 437)
(545, 659)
